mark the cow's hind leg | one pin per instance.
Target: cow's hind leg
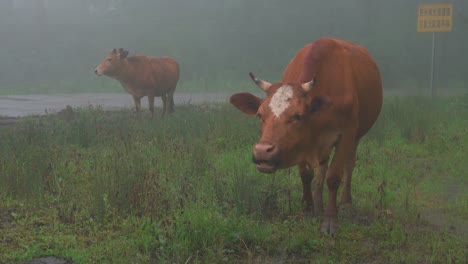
(306, 177)
(164, 100)
(346, 197)
(170, 102)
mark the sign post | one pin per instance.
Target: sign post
(434, 18)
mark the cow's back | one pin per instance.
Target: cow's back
(343, 71)
(151, 75)
(166, 71)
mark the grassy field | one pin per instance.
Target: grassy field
(116, 187)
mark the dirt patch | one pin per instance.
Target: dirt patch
(441, 218)
(6, 219)
(49, 260)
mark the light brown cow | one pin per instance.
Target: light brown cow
(329, 97)
(143, 76)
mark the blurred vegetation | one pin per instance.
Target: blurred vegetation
(54, 45)
(117, 187)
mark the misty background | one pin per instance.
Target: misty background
(54, 45)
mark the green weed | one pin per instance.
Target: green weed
(118, 187)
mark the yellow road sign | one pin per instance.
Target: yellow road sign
(435, 17)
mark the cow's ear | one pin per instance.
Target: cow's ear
(123, 54)
(319, 103)
(246, 102)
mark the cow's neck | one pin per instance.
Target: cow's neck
(125, 73)
(319, 149)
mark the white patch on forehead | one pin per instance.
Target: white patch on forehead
(280, 100)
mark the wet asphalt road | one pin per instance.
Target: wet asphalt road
(26, 105)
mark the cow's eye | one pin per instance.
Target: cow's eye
(260, 117)
(297, 117)
(109, 59)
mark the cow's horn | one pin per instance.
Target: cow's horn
(308, 85)
(260, 83)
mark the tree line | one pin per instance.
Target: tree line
(60, 42)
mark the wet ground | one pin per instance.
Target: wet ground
(25, 105)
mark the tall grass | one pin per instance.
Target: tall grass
(120, 187)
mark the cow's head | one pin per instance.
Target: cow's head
(111, 64)
(288, 117)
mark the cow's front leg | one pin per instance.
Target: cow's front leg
(346, 197)
(306, 177)
(137, 103)
(344, 149)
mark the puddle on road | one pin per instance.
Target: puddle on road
(16, 98)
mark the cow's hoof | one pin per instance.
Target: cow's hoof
(307, 206)
(346, 206)
(329, 225)
(318, 212)
(308, 213)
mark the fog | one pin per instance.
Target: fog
(58, 43)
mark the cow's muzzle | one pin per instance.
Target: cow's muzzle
(265, 157)
(96, 71)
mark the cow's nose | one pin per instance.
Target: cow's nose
(265, 157)
(96, 72)
(264, 147)
(264, 150)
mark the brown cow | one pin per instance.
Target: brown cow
(143, 76)
(329, 97)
